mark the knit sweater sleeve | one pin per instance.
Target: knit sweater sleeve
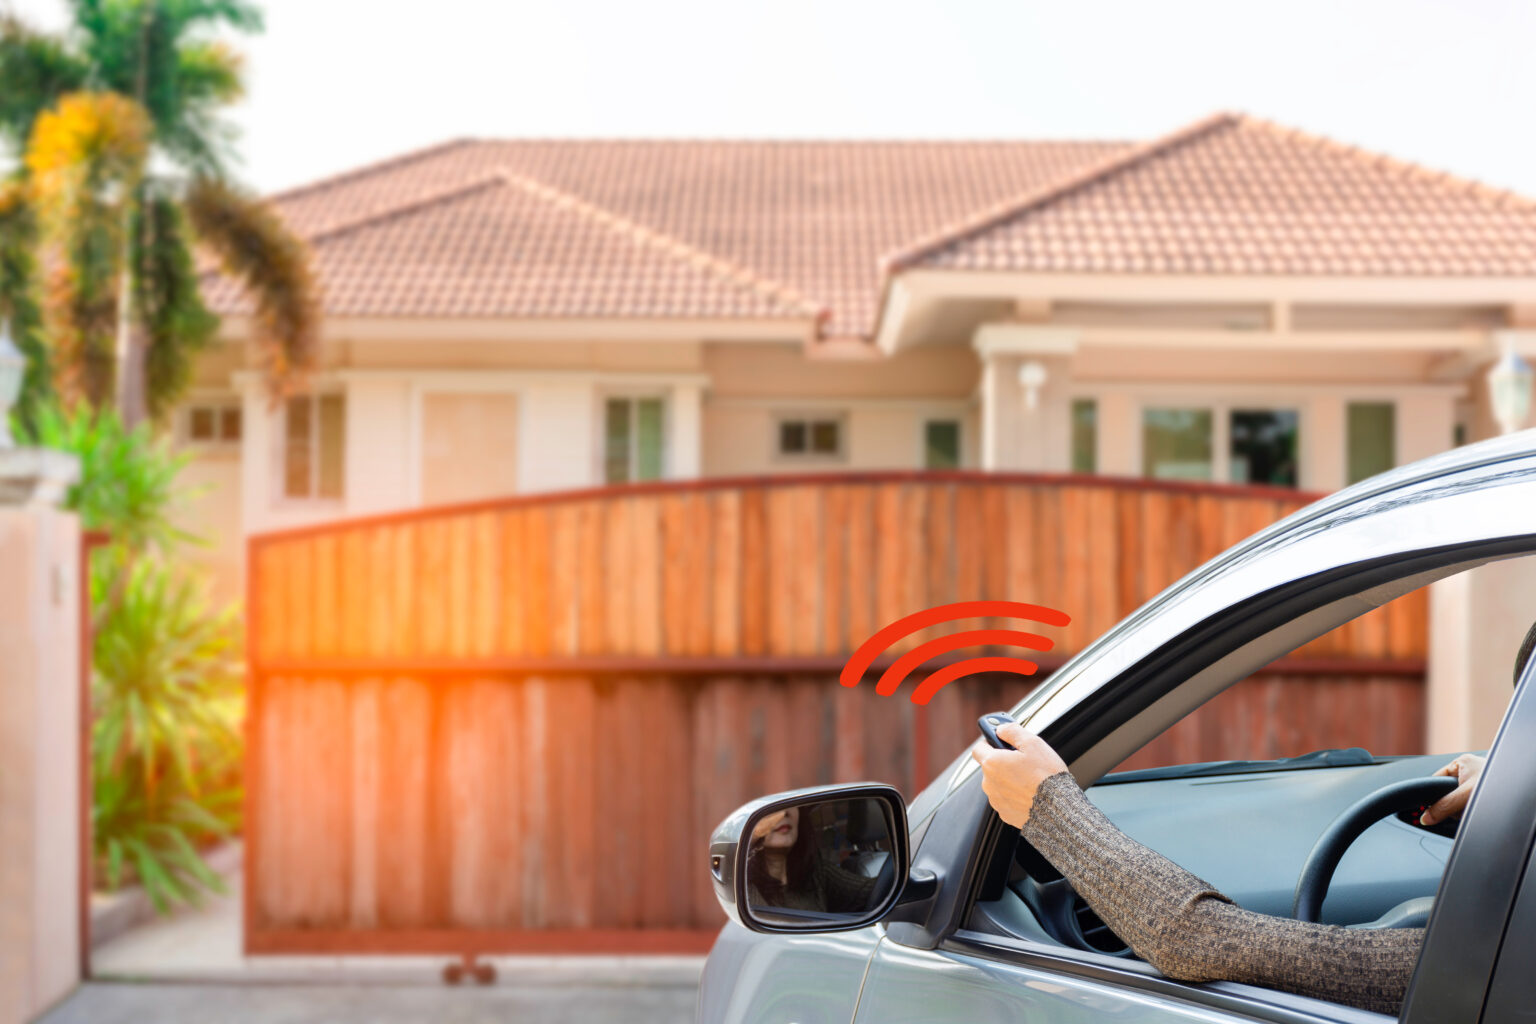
(1189, 931)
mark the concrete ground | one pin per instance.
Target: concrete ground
(358, 1003)
(190, 968)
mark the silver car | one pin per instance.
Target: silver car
(937, 911)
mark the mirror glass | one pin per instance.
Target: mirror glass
(815, 864)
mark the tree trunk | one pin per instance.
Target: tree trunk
(133, 382)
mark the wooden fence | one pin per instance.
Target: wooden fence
(512, 726)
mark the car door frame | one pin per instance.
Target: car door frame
(967, 846)
(1478, 892)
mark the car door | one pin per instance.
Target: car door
(1485, 914)
(1485, 911)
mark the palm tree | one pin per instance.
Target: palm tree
(125, 177)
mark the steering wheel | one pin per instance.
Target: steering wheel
(1317, 872)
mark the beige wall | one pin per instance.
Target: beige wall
(1477, 620)
(740, 436)
(39, 759)
(208, 507)
(468, 447)
(784, 371)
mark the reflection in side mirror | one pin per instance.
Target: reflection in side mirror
(823, 864)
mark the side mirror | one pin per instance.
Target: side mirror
(826, 859)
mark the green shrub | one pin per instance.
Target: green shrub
(166, 690)
(166, 737)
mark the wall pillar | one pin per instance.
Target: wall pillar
(39, 734)
(686, 447)
(1015, 437)
(1476, 622)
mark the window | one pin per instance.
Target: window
(1243, 446)
(634, 439)
(1371, 437)
(314, 446)
(810, 437)
(1176, 444)
(941, 444)
(1085, 435)
(211, 423)
(1262, 447)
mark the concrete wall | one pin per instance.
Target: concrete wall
(39, 757)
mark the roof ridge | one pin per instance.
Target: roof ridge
(802, 140)
(733, 273)
(377, 167)
(490, 179)
(1500, 198)
(992, 216)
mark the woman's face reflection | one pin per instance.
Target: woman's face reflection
(777, 831)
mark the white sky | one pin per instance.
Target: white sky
(338, 83)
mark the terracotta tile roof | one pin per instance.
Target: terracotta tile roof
(1236, 195)
(806, 221)
(692, 228)
(505, 245)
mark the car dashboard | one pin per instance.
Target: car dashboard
(1247, 833)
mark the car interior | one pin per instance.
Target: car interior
(1246, 827)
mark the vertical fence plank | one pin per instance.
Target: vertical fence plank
(726, 580)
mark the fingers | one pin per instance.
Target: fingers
(1015, 734)
(1452, 803)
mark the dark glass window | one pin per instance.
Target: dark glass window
(792, 437)
(941, 444)
(811, 437)
(1085, 435)
(1263, 447)
(824, 437)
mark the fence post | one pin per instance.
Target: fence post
(39, 733)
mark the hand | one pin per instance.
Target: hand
(1466, 769)
(1010, 778)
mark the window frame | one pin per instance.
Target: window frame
(1221, 432)
(218, 405)
(280, 454)
(922, 440)
(633, 396)
(810, 417)
(1392, 404)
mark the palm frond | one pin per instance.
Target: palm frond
(257, 249)
(176, 322)
(18, 296)
(35, 71)
(85, 157)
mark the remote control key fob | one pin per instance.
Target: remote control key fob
(989, 723)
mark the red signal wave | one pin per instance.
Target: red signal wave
(865, 656)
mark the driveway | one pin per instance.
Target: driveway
(163, 1003)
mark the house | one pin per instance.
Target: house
(1236, 301)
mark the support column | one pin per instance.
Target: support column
(40, 725)
(1014, 436)
(1476, 622)
(685, 452)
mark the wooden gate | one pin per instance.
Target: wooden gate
(511, 726)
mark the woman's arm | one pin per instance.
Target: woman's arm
(1170, 918)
